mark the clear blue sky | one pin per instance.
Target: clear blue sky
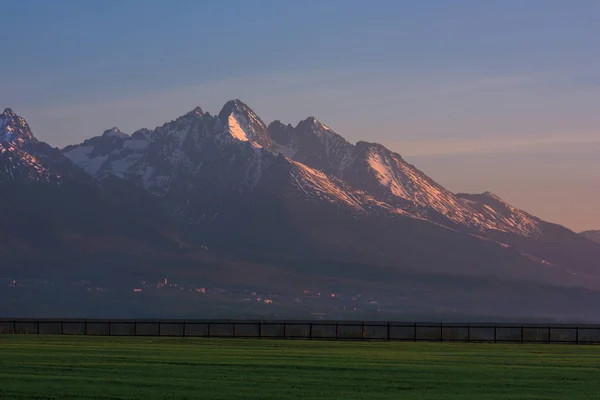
(482, 95)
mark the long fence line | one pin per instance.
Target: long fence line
(311, 330)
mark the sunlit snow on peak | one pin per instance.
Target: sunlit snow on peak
(236, 130)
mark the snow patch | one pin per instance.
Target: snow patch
(81, 156)
(386, 174)
(288, 152)
(236, 130)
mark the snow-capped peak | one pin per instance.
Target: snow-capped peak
(23, 156)
(15, 129)
(115, 132)
(235, 103)
(197, 110)
(242, 124)
(311, 125)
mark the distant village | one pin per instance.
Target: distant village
(307, 297)
(349, 302)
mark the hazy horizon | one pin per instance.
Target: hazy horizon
(511, 110)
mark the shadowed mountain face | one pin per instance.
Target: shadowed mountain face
(299, 199)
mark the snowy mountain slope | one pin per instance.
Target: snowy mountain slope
(387, 177)
(316, 184)
(494, 208)
(94, 153)
(384, 175)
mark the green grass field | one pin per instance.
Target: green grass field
(68, 367)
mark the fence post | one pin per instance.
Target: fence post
(577, 335)
(62, 327)
(38, 327)
(549, 334)
(441, 332)
(284, 330)
(362, 329)
(310, 328)
(208, 329)
(233, 329)
(495, 334)
(415, 332)
(85, 327)
(388, 331)
(14, 327)
(468, 333)
(337, 330)
(521, 333)
(134, 328)
(110, 328)
(159, 326)
(260, 329)
(183, 329)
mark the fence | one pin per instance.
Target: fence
(311, 330)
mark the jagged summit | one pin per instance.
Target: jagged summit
(115, 132)
(311, 125)
(277, 124)
(235, 106)
(241, 123)
(231, 105)
(14, 128)
(197, 110)
(310, 121)
(23, 158)
(8, 112)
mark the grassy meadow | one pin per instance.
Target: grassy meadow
(85, 367)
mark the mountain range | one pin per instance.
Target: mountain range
(300, 202)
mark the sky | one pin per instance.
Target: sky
(497, 95)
